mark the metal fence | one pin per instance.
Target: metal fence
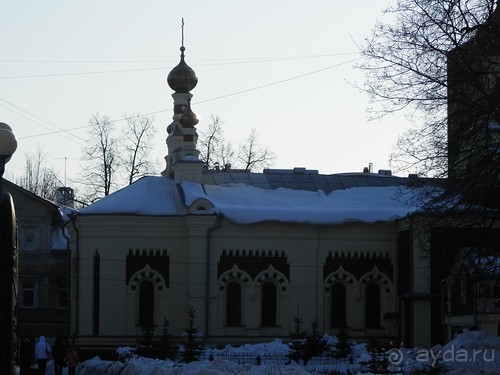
(273, 359)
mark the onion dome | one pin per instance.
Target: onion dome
(188, 118)
(182, 78)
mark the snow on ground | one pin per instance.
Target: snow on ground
(472, 352)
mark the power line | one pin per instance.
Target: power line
(81, 73)
(216, 98)
(278, 82)
(226, 62)
(358, 143)
(54, 132)
(39, 118)
(244, 59)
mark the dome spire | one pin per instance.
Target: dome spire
(182, 32)
(182, 160)
(182, 39)
(182, 78)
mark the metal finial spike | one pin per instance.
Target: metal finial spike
(182, 33)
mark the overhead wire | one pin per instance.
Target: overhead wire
(215, 98)
(38, 123)
(245, 59)
(226, 62)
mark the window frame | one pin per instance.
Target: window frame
(33, 290)
(25, 229)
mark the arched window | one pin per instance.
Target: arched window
(146, 304)
(269, 303)
(372, 306)
(338, 305)
(233, 304)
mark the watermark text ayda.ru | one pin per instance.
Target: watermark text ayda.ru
(433, 356)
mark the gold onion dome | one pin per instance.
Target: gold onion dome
(188, 118)
(182, 78)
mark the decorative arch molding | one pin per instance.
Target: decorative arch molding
(200, 205)
(147, 273)
(137, 259)
(340, 275)
(358, 263)
(233, 274)
(377, 277)
(272, 274)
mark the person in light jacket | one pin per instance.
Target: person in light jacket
(42, 354)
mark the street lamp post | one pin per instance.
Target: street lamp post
(8, 260)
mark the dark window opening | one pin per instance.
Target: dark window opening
(269, 304)
(146, 304)
(339, 305)
(28, 293)
(62, 298)
(233, 304)
(372, 307)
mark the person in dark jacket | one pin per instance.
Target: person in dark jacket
(58, 354)
(25, 357)
(72, 357)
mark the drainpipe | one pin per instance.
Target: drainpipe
(217, 224)
(77, 277)
(68, 275)
(316, 286)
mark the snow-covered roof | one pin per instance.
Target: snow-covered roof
(247, 204)
(157, 196)
(302, 179)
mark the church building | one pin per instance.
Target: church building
(249, 251)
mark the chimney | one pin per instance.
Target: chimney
(65, 196)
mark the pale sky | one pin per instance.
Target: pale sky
(281, 67)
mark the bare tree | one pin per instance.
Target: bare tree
(253, 155)
(39, 178)
(136, 142)
(101, 158)
(407, 62)
(225, 154)
(438, 62)
(214, 149)
(209, 140)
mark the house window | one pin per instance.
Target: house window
(29, 238)
(146, 304)
(28, 293)
(372, 306)
(233, 304)
(463, 288)
(338, 305)
(496, 295)
(269, 304)
(62, 298)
